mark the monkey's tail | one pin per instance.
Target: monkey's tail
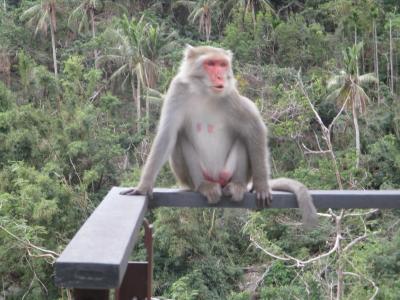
(304, 199)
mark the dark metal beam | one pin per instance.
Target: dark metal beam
(97, 256)
(322, 199)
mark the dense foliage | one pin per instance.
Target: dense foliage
(81, 86)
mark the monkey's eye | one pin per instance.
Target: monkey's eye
(210, 63)
(224, 64)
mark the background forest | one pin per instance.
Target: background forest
(81, 85)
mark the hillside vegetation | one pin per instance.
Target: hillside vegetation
(81, 87)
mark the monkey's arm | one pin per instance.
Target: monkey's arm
(255, 137)
(257, 145)
(171, 120)
(259, 161)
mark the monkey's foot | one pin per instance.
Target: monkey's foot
(143, 191)
(211, 190)
(235, 191)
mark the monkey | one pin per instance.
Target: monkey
(215, 138)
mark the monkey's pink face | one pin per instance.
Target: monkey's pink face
(217, 71)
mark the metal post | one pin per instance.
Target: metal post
(148, 241)
(138, 277)
(86, 294)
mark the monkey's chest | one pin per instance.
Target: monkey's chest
(211, 141)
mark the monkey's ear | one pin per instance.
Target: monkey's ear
(190, 52)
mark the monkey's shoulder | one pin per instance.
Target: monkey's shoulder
(178, 89)
(247, 107)
(180, 84)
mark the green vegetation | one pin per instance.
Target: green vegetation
(81, 86)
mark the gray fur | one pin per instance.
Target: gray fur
(236, 142)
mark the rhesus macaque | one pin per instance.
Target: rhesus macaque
(214, 137)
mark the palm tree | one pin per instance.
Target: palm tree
(253, 5)
(393, 25)
(127, 55)
(349, 92)
(83, 17)
(201, 11)
(376, 59)
(250, 6)
(42, 16)
(156, 44)
(138, 46)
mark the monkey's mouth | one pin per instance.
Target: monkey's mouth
(218, 88)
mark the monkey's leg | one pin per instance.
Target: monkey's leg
(187, 167)
(238, 166)
(179, 167)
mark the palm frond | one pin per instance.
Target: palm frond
(336, 80)
(345, 94)
(123, 84)
(333, 95)
(42, 24)
(340, 96)
(140, 73)
(361, 100)
(78, 18)
(154, 95)
(195, 14)
(30, 12)
(367, 78)
(118, 59)
(119, 72)
(188, 4)
(267, 6)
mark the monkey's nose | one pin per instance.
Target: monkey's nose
(218, 80)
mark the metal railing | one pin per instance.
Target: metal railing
(97, 258)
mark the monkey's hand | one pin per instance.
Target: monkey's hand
(140, 190)
(263, 194)
(235, 190)
(211, 190)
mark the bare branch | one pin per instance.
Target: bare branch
(317, 140)
(267, 252)
(339, 113)
(309, 151)
(28, 245)
(365, 278)
(370, 212)
(299, 262)
(76, 172)
(355, 241)
(261, 279)
(309, 102)
(326, 132)
(325, 215)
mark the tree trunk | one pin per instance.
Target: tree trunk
(93, 36)
(53, 45)
(376, 61)
(391, 56)
(357, 129)
(339, 268)
(147, 114)
(355, 43)
(138, 105)
(135, 100)
(333, 157)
